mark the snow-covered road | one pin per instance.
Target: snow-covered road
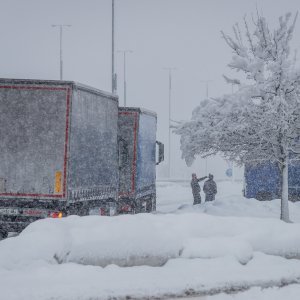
(289, 292)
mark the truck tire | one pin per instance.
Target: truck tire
(3, 235)
(154, 203)
(151, 204)
(263, 196)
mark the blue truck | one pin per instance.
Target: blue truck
(263, 181)
(137, 155)
(67, 148)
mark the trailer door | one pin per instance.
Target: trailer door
(34, 137)
(146, 164)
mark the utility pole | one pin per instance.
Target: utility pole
(61, 26)
(170, 69)
(125, 84)
(206, 83)
(113, 75)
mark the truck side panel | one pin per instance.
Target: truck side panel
(34, 137)
(146, 154)
(93, 169)
(128, 126)
(294, 181)
(262, 181)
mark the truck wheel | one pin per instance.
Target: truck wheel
(263, 196)
(134, 209)
(151, 204)
(154, 203)
(3, 235)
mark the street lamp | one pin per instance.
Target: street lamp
(113, 75)
(206, 83)
(170, 69)
(124, 54)
(61, 26)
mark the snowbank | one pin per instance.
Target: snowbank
(148, 239)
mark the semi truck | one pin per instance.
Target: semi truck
(263, 181)
(64, 151)
(137, 175)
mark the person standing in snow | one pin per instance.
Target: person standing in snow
(196, 188)
(210, 188)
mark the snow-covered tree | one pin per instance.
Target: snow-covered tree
(259, 122)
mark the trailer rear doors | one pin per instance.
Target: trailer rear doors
(34, 124)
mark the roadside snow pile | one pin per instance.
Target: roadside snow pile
(218, 247)
(148, 239)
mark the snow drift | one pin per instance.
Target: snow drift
(148, 239)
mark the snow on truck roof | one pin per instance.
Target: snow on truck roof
(138, 109)
(74, 84)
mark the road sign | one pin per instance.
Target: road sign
(229, 172)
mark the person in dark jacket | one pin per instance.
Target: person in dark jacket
(210, 188)
(196, 188)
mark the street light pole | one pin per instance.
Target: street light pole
(170, 69)
(125, 84)
(113, 75)
(60, 47)
(206, 83)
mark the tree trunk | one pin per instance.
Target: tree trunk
(284, 215)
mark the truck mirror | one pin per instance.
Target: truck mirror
(2, 185)
(161, 152)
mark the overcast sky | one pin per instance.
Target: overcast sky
(161, 33)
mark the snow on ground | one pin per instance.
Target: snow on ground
(177, 197)
(228, 245)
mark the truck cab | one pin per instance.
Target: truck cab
(138, 157)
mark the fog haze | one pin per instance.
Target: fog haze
(161, 33)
